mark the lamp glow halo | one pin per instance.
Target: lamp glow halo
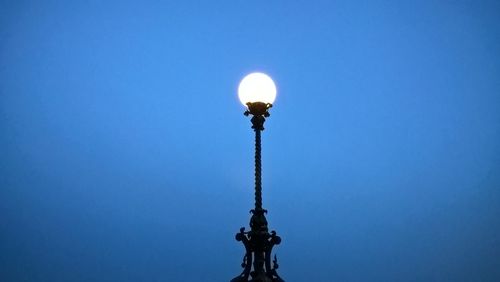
(257, 87)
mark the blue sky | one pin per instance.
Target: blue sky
(125, 155)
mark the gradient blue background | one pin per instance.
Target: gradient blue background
(124, 154)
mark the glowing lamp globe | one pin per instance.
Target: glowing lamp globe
(257, 87)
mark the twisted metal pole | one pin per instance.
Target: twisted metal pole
(258, 241)
(258, 171)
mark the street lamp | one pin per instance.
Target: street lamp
(257, 92)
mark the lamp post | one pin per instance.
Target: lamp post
(257, 91)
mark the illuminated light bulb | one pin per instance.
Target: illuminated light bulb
(257, 87)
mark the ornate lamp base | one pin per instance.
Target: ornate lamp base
(258, 245)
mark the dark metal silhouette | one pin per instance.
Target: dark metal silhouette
(258, 241)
